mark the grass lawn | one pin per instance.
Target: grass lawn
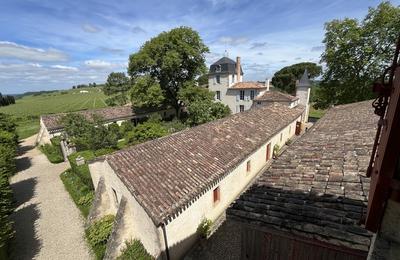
(316, 113)
(28, 109)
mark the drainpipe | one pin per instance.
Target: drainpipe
(165, 240)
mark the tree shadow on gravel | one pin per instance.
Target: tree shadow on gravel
(23, 163)
(23, 190)
(24, 149)
(25, 244)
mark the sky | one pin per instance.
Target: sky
(55, 44)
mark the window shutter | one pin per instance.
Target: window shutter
(237, 97)
(237, 109)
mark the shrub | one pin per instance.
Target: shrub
(135, 250)
(104, 151)
(82, 171)
(98, 233)
(288, 142)
(52, 152)
(276, 150)
(86, 200)
(204, 228)
(146, 131)
(125, 127)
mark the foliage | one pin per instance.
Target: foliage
(87, 134)
(52, 152)
(116, 88)
(200, 105)
(125, 127)
(146, 131)
(6, 100)
(78, 191)
(98, 233)
(356, 52)
(146, 93)
(285, 78)
(276, 150)
(104, 151)
(82, 171)
(316, 113)
(202, 80)
(8, 147)
(174, 126)
(204, 228)
(27, 109)
(171, 58)
(134, 249)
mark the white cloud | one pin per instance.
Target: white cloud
(99, 64)
(233, 41)
(21, 52)
(62, 67)
(257, 45)
(90, 28)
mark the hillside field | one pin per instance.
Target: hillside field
(27, 110)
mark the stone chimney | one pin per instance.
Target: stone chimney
(267, 83)
(238, 69)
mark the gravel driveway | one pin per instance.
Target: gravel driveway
(48, 225)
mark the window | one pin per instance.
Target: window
(216, 195)
(258, 103)
(218, 78)
(218, 95)
(233, 78)
(268, 152)
(281, 137)
(241, 108)
(248, 166)
(251, 94)
(218, 68)
(242, 95)
(115, 196)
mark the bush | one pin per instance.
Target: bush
(53, 153)
(104, 151)
(145, 132)
(276, 150)
(204, 228)
(98, 233)
(78, 190)
(125, 127)
(82, 171)
(135, 250)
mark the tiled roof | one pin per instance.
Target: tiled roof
(276, 96)
(166, 174)
(318, 187)
(247, 85)
(52, 121)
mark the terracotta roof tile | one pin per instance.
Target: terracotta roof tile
(52, 121)
(167, 173)
(248, 85)
(276, 96)
(318, 187)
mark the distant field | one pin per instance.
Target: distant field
(28, 109)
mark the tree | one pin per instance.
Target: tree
(146, 93)
(285, 79)
(356, 54)
(172, 58)
(146, 131)
(116, 87)
(200, 105)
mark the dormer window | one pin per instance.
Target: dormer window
(218, 68)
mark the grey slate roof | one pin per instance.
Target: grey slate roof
(318, 187)
(227, 66)
(166, 174)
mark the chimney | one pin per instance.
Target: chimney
(267, 83)
(238, 69)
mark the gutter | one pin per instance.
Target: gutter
(165, 240)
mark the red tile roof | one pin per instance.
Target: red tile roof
(276, 96)
(109, 114)
(318, 187)
(248, 85)
(166, 174)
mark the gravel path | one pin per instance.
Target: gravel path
(48, 225)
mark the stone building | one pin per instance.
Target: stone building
(50, 125)
(311, 201)
(161, 190)
(225, 78)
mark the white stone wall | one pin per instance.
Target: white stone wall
(303, 93)
(139, 224)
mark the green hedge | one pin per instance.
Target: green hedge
(80, 193)
(98, 233)
(8, 148)
(135, 250)
(52, 153)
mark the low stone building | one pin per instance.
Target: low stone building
(312, 200)
(50, 125)
(161, 190)
(269, 97)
